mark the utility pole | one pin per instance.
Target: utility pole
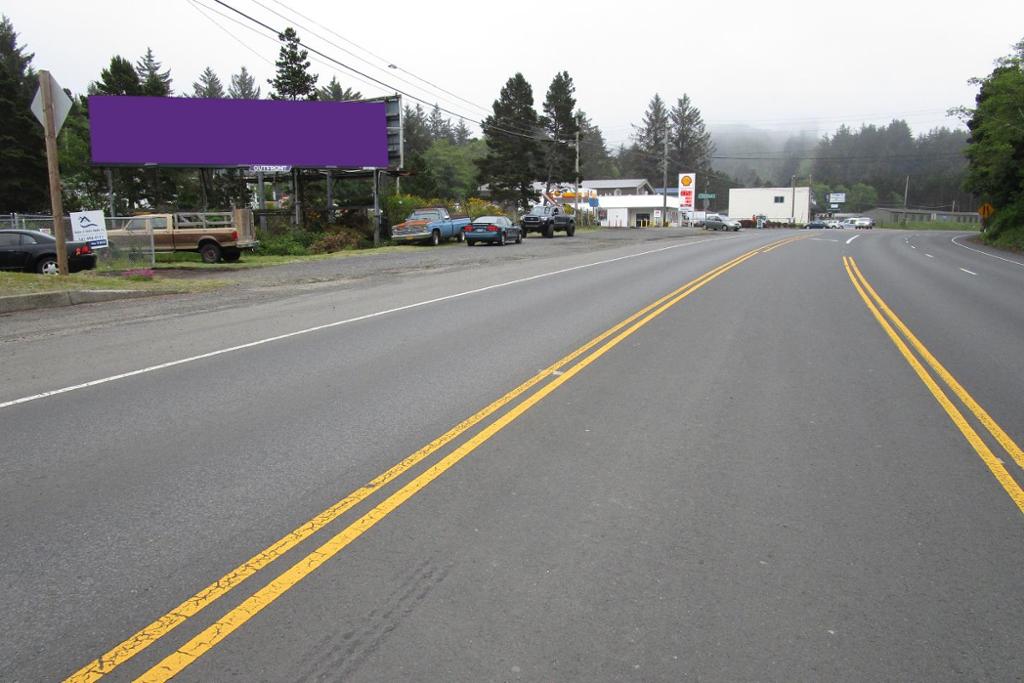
(53, 167)
(792, 204)
(576, 187)
(664, 181)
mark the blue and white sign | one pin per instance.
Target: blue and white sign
(89, 226)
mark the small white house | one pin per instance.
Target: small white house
(636, 210)
(774, 202)
(619, 186)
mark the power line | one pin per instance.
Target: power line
(380, 82)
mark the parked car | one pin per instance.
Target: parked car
(863, 223)
(432, 226)
(214, 235)
(847, 223)
(33, 251)
(546, 219)
(816, 225)
(714, 221)
(494, 230)
(833, 225)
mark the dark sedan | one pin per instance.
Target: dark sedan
(817, 225)
(32, 251)
(493, 229)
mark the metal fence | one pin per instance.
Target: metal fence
(127, 248)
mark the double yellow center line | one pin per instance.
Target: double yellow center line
(173, 664)
(888, 320)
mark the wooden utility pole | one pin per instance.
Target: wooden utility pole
(576, 187)
(664, 181)
(53, 167)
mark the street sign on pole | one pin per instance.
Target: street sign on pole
(61, 105)
(707, 195)
(48, 88)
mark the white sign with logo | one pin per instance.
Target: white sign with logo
(89, 226)
(268, 168)
(837, 198)
(687, 191)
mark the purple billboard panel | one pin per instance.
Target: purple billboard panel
(175, 131)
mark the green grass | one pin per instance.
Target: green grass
(184, 260)
(930, 225)
(31, 283)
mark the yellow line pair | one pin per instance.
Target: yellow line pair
(150, 634)
(877, 307)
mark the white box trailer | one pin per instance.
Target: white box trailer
(774, 202)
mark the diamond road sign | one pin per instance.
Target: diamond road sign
(61, 105)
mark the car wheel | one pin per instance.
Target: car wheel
(461, 237)
(549, 231)
(232, 254)
(210, 252)
(571, 231)
(435, 238)
(501, 239)
(47, 266)
(470, 243)
(519, 237)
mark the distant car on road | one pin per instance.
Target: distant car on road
(494, 230)
(546, 219)
(833, 225)
(863, 223)
(32, 251)
(816, 225)
(714, 221)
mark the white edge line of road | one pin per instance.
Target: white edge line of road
(1008, 260)
(337, 323)
(852, 239)
(969, 272)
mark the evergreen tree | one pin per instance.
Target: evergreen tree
(335, 93)
(689, 142)
(417, 140)
(155, 83)
(23, 179)
(512, 155)
(293, 80)
(119, 78)
(208, 86)
(648, 150)
(243, 86)
(461, 133)
(440, 127)
(595, 161)
(560, 125)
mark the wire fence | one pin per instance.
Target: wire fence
(130, 240)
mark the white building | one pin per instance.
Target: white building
(619, 186)
(777, 203)
(636, 210)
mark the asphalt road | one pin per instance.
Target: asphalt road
(630, 455)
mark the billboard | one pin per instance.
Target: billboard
(836, 198)
(177, 131)
(687, 190)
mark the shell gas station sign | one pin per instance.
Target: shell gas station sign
(687, 192)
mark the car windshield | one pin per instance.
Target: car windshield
(487, 220)
(540, 211)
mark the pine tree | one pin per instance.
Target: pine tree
(689, 142)
(208, 86)
(461, 133)
(23, 179)
(155, 83)
(335, 93)
(120, 78)
(243, 86)
(650, 141)
(595, 161)
(560, 124)
(440, 127)
(511, 162)
(293, 80)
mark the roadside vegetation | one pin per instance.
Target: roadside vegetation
(928, 225)
(996, 149)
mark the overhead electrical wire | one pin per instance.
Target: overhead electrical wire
(399, 91)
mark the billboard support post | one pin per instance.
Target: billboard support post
(376, 207)
(262, 203)
(330, 196)
(110, 190)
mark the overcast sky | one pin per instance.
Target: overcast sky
(791, 65)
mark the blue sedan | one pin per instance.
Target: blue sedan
(493, 229)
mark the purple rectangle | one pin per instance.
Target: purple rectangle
(177, 131)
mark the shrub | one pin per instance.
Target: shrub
(287, 244)
(346, 238)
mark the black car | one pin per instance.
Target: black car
(816, 225)
(546, 220)
(33, 251)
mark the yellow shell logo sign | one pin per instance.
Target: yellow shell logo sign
(687, 181)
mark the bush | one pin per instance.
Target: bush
(287, 244)
(339, 241)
